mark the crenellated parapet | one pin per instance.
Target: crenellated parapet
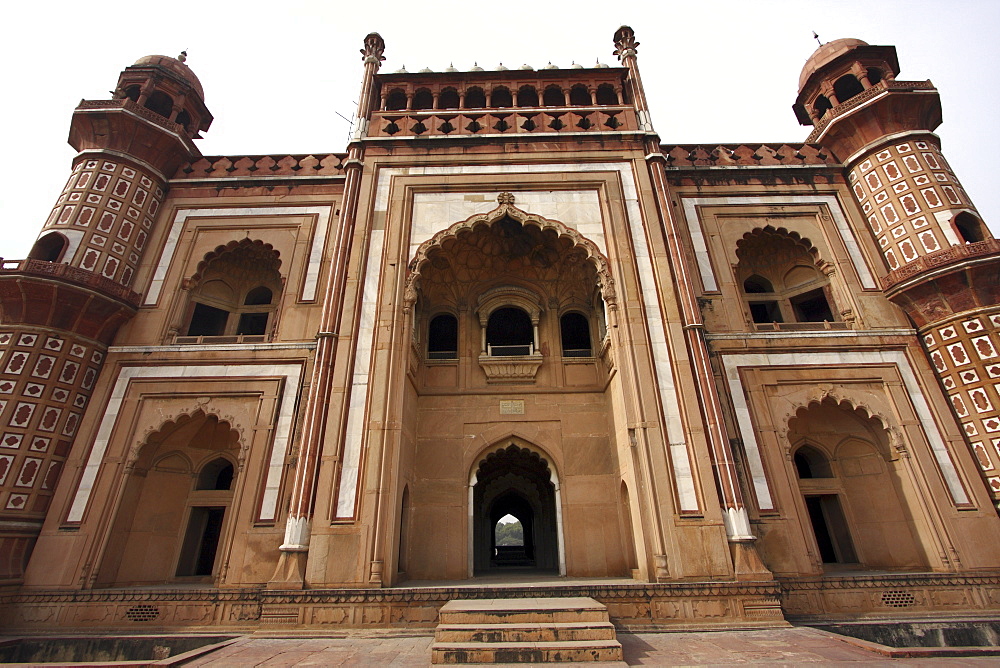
(262, 166)
(746, 155)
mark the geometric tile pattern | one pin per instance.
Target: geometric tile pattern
(45, 384)
(965, 353)
(900, 189)
(113, 205)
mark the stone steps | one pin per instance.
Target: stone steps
(525, 630)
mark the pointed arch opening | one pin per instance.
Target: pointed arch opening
(174, 519)
(781, 280)
(515, 481)
(50, 247)
(854, 498)
(233, 298)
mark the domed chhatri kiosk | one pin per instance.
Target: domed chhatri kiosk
(714, 386)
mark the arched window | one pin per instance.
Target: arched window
(501, 97)
(580, 96)
(606, 94)
(970, 228)
(442, 337)
(554, 97)
(49, 247)
(575, 331)
(821, 106)
(874, 75)
(132, 92)
(183, 119)
(255, 323)
(475, 98)
(448, 99)
(527, 96)
(811, 463)
(509, 331)
(216, 475)
(396, 100)
(234, 295)
(782, 283)
(423, 99)
(847, 87)
(160, 103)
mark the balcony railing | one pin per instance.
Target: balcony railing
(231, 338)
(70, 274)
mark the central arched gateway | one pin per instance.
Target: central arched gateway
(519, 482)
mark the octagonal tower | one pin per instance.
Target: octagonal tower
(942, 265)
(61, 307)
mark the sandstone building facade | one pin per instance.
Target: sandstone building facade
(734, 383)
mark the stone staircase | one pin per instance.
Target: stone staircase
(524, 630)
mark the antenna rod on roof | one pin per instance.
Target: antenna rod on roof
(816, 37)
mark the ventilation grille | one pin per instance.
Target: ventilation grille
(898, 599)
(143, 612)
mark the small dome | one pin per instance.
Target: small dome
(476, 67)
(826, 54)
(501, 68)
(451, 68)
(177, 67)
(576, 66)
(427, 70)
(401, 70)
(600, 65)
(526, 66)
(550, 66)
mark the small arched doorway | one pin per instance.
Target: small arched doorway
(518, 482)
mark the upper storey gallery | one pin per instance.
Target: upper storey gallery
(503, 102)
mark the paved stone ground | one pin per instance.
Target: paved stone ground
(778, 647)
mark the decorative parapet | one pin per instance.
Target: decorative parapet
(260, 166)
(952, 254)
(69, 274)
(746, 155)
(512, 121)
(863, 97)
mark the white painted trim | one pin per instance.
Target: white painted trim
(703, 257)
(669, 401)
(282, 428)
(733, 364)
(324, 221)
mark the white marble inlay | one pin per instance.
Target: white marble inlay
(527, 201)
(324, 221)
(282, 428)
(691, 205)
(353, 438)
(733, 363)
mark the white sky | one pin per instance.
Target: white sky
(276, 73)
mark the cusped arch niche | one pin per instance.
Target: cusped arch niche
(508, 265)
(430, 249)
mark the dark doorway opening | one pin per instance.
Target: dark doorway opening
(201, 541)
(515, 481)
(830, 529)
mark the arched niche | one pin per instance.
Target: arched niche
(174, 517)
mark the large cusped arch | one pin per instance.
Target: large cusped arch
(517, 478)
(507, 211)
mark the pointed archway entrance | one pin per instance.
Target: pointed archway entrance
(518, 482)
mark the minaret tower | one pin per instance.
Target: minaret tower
(61, 307)
(942, 265)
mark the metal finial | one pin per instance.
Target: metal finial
(816, 37)
(184, 56)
